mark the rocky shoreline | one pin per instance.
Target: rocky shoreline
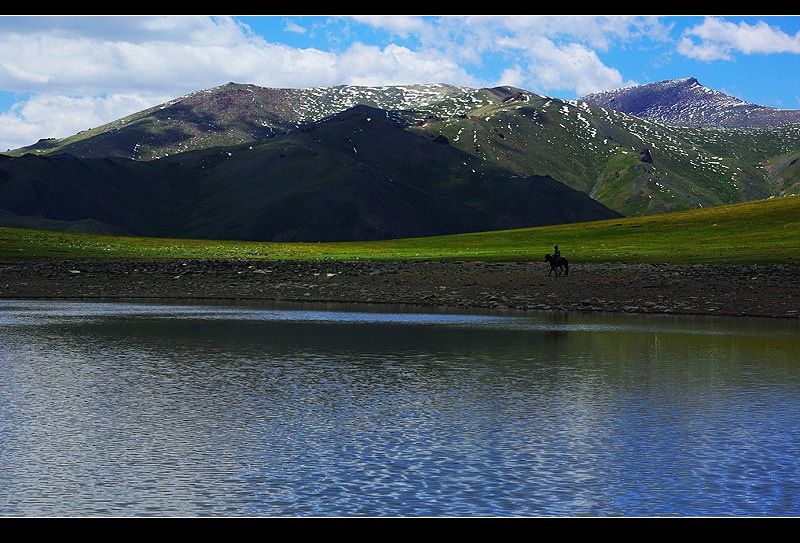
(770, 290)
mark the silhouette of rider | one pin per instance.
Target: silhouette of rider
(556, 255)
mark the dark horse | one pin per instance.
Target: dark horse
(562, 265)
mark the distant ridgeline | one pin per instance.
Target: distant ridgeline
(360, 163)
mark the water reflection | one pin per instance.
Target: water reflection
(157, 409)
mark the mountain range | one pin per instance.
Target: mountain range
(364, 163)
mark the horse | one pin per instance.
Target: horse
(562, 265)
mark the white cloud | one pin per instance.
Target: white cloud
(550, 65)
(291, 26)
(512, 76)
(720, 40)
(394, 65)
(401, 25)
(570, 66)
(58, 116)
(166, 53)
(596, 32)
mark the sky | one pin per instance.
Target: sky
(62, 74)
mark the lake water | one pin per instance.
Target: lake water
(156, 409)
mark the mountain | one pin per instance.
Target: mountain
(359, 175)
(352, 163)
(233, 114)
(685, 102)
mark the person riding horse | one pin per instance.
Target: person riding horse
(558, 263)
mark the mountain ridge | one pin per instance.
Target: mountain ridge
(685, 102)
(248, 162)
(203, 118)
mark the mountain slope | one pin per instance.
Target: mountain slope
(685, 102)
(258, 163)
(234, 113)
(359, 175)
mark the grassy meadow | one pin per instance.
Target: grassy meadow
(752, 232)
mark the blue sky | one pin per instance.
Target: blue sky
(63, 74)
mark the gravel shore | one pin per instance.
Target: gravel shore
(771, 290)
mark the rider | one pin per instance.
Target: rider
(556, 255)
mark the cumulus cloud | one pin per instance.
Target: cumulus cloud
(394, 65)
(76, 55)
(59, 116)
(571, 66)
(718, 39)
(559, 52)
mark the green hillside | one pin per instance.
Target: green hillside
(600, 152)
(752, 232)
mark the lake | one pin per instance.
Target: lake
(237, 409)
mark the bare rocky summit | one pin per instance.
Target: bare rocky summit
(685, 102)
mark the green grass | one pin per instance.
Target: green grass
(751, 232)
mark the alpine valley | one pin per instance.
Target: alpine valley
(347, 163)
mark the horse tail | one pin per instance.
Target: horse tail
(566, 266)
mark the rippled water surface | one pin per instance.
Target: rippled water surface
(118, 409)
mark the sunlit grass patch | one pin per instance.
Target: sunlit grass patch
(752, 232)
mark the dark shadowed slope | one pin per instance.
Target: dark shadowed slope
(359, 175)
